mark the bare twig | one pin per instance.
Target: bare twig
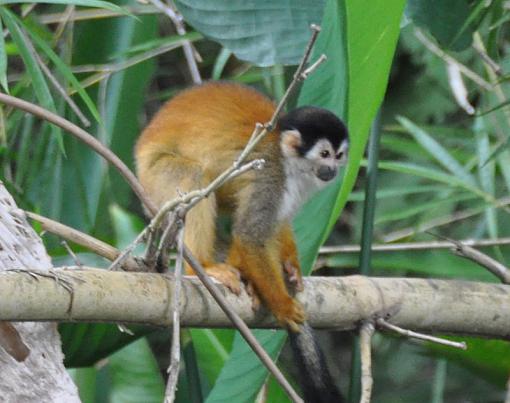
(175, 350)
(95, 245)
(189, 53)
(410, 246)
(366, 332)
(449, 59)
(409, 333)
(71, 253)
(86, 138)
(486, 58)
(495, 267)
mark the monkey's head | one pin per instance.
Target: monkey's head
(316, 140)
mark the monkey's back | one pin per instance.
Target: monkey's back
(214, 116)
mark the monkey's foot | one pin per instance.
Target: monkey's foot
(290, 314)
(227, 275)
(293, 276)
(255, 300)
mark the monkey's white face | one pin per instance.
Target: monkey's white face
(308, 173)
(325, 160)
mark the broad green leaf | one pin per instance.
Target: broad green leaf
(371, 31)
(264, 32)
(437, 151)
(243, 376)
(85, 380)
(86, 3)
(444, 20)
(3, 61)
(212, 347)
(489, 359)
(135, 375)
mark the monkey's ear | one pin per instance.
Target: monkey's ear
(290, 142)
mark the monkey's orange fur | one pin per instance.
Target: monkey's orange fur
(191, 140)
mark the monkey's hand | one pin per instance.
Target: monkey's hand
(227, 275)
(293, 275)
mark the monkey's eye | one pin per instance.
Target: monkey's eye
(339, 155)
(325, 154)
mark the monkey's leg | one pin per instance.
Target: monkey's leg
(289, 257)
(261, 266)
(170, 175)
(255, 248)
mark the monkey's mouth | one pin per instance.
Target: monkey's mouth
(326, 173)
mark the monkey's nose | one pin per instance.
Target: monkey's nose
(326, 173)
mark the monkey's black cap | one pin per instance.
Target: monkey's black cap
(314, 124)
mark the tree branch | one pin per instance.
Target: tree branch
(435, 306)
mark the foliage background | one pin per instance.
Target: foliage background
(441, 168)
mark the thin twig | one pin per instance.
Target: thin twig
(175, 350)
(465, 251)
(95, 245)
(86, 138)
(409, 333)
(365, 339)
(410, 246)
(72, 254)
(449, 59)
(178, 22)
(240, 325)
(486, 58)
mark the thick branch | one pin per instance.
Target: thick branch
(441, 306)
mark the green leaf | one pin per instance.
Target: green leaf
(444, 20)
(240, 381)
(3, 61)
(437, 151)
(85, 380)
(359, 70)
(65, 71)
(41, 90)
(220, 63)
(486, 172)
(264, 32)
(135, 375)
(434, 175)
(413, 210)
(86, 3)
(212, 347)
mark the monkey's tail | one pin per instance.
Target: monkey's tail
(315, 379)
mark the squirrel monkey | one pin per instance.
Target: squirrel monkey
(196, 136)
